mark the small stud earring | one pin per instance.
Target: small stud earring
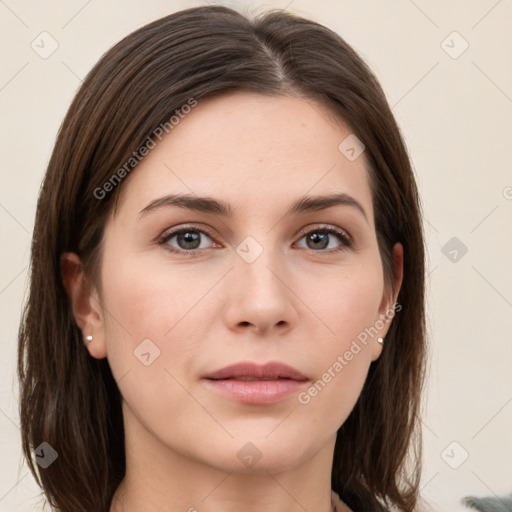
(381, 341)
(88, 338)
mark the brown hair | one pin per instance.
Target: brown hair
(70, 399)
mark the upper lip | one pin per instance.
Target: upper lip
(272, 370)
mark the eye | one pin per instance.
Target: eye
(319, 239)
(188, 240)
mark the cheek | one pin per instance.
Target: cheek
(145, 310)
(346, 299)
(347, 302)
(148, 300)
(149, 315)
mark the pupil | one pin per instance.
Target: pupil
(318, 237)
(189, 238)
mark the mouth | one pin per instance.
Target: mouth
(251, 379)
(250, 383)
(251, 371)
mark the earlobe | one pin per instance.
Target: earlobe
(389, 300)
(84, 303)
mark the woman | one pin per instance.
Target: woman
(226, 306)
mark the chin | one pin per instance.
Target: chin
(263, 457)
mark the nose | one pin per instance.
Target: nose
(259, 296)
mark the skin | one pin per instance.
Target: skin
(295, 303)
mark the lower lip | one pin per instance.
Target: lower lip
(256, 391)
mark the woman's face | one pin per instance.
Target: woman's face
(266, 283)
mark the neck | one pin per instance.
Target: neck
(119, 503)
(159, 477)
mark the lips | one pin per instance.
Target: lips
(247, 371)
(250, 383)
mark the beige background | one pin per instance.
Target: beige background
(455, 111)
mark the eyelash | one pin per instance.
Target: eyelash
(346, 241)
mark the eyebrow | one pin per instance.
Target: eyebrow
(209, 205)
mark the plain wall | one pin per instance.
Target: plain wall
(455, 111)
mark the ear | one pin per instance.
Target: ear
(85, 303)
(387, 305)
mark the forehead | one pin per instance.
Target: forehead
(244, 147)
